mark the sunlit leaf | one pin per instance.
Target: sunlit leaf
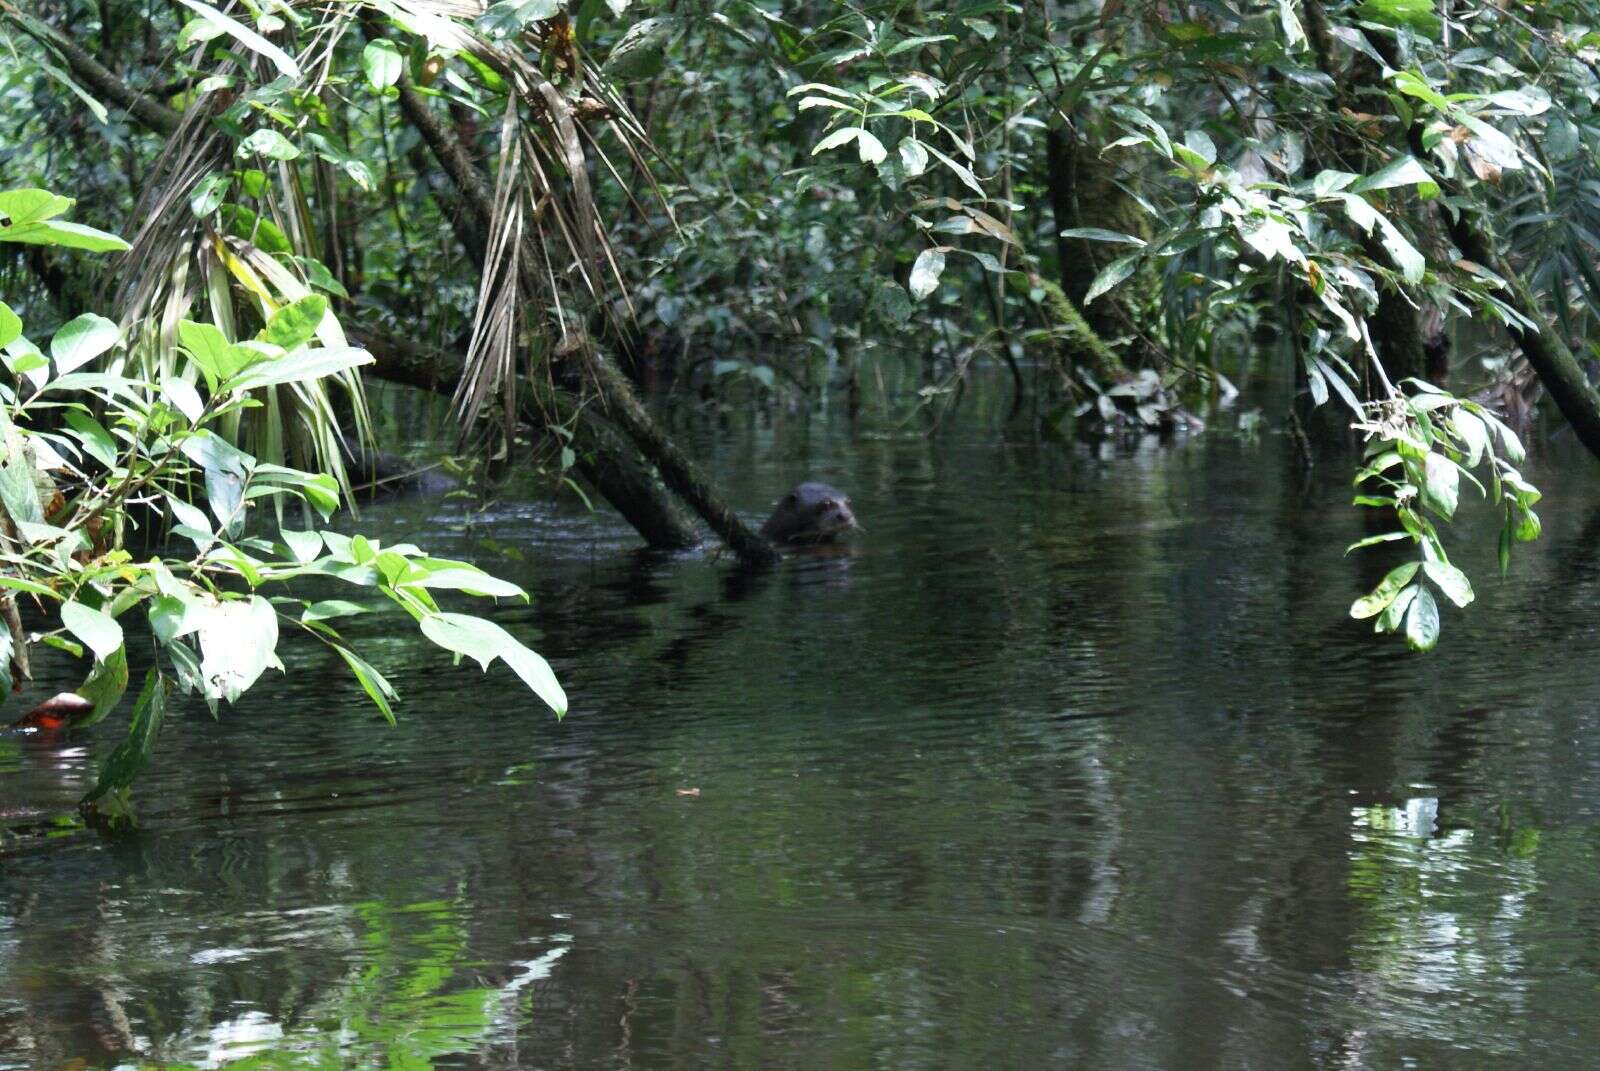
(1422, 622)
(1381, 596)
(81, 340)
(297, 368)
(925, 273)
(98, 630)
(246, 36)
(1111, 275)
(10, 325)
(1452, 581)
(381, 62)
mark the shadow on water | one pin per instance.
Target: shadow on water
(1070, 760)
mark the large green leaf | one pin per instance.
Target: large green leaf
(10, 325)
(296, 322)
(66, 234)
(105, 686)
(1422, 621)
(130, 757)
(81, 340)
(296, 368)
(247, 37)
(1388, 588)
(484, 641)
(97, 629)
(382, 63)
(21, 207)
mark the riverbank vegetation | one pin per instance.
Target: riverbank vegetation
(546, 213)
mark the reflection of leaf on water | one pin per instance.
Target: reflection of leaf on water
(10, 757)
(397, 1006)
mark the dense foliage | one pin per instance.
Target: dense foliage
(88, 455)
(1133, 209)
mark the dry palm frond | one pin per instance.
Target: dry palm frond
(178, 262)
(491, 358)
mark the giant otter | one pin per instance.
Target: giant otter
(811, 513)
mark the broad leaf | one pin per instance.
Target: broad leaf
(130, 757)
(97, 629)
(81, 340)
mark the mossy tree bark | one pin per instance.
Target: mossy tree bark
(1083, 193)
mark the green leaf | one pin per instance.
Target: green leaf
(1452, 581)
(382, 63)
(21, 207)
(1473, 435)
(483, 641)
(1411, 263)
(1381, 596)
(181, 395)
(870, 148)
(843, 136)
(1402, 171)
(1527, 527)
(1100, 234)
(1422, 622)
(10, 325)
(207, 346)
(1372, 541)
(1418, 15)
(1111, 275)
(318, 275)
(18, 493)
(313, 364)
(462, 577)
(130, 757)
(81, 340)
(247, 37)
(925, 273)
(104, 687)
(1395, 613)
(65, 234)
(208, 194)
(304, 546)
(378, 689)
(296, 322)
(329, 609)
(639, 53)
(97, 629)
(269, 143)
(511, 16)
(1441, 484)
(913, 157)
(97, 441)
(238, 642)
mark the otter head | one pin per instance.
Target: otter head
(811, 513)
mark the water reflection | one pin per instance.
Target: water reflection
(1067, 761)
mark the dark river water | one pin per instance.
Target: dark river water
(1072, 759)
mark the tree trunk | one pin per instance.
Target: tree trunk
(1077, 177)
